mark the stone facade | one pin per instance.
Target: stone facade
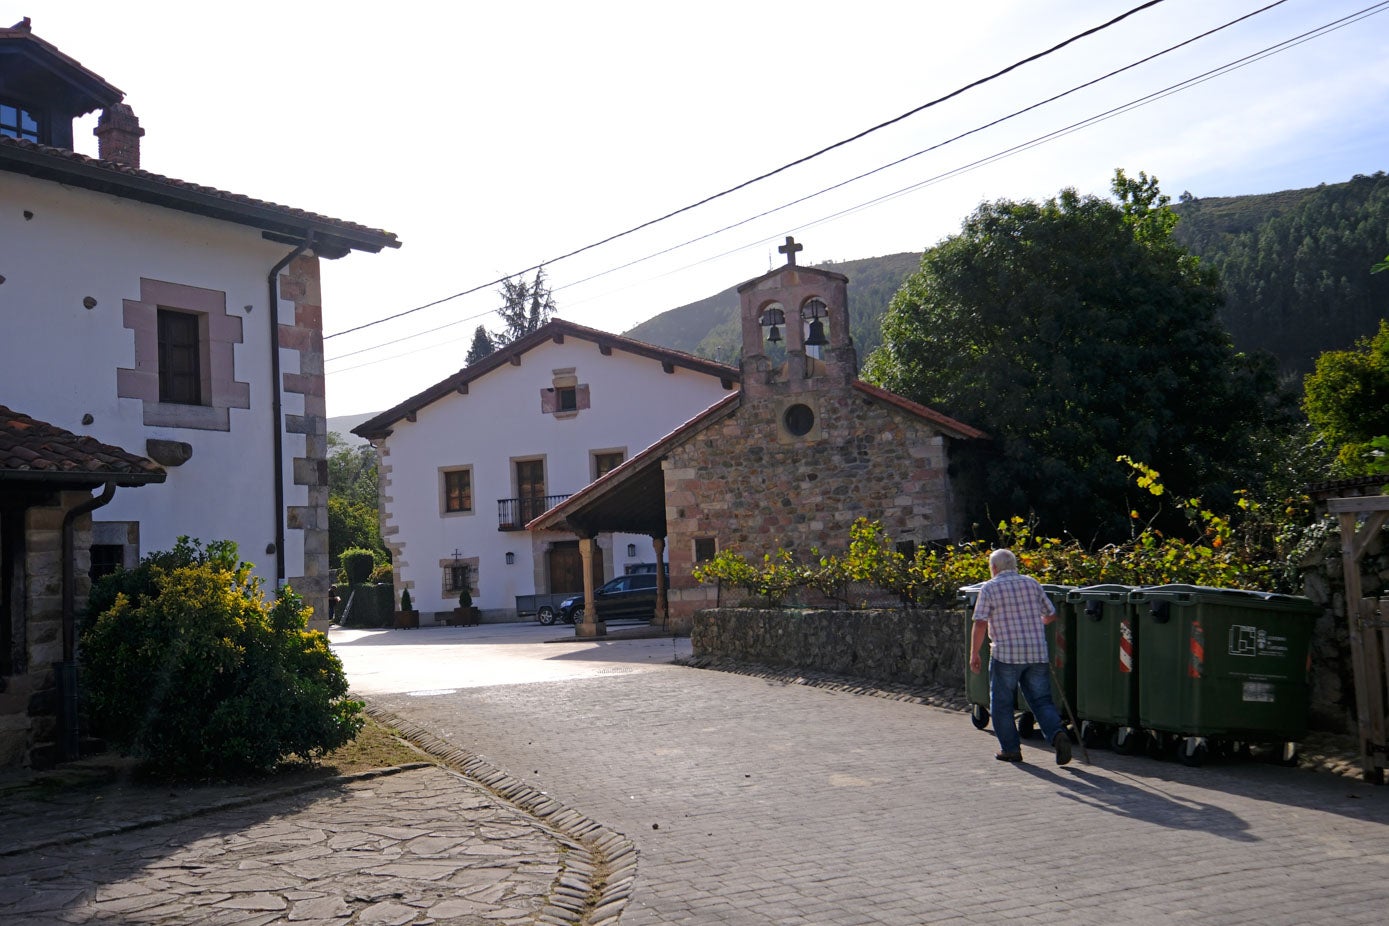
(29, 706)
(299, 283)
(809, 449)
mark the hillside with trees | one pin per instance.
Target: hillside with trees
(1296, 265)
(1295, 268)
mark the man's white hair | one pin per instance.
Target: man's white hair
(1002, 560)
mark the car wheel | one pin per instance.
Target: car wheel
(546, 615)
(576, 616)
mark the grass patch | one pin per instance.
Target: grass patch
(377, 746)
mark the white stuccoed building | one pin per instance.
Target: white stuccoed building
(466, 464)
(145, 318)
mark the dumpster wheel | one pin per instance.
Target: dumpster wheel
(1285, 754)
(979, 716)
(1192, 750)
(1091, 734)
(1125, 740)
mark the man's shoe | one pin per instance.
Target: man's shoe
(1008, 756)
(1062, 744)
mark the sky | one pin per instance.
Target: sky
(495, 137)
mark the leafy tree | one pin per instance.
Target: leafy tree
(1075, 331)
(1347, 401)
(352, 499)
(526, 305)
(481, 347)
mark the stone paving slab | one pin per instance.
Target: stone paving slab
(423, 845)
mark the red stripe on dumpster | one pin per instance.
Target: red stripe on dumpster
(1059, 660)
(1125, 646)
(1197, 665)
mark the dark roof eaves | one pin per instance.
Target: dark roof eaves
(380, 425)
(957, 428)
(60, 165)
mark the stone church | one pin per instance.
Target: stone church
(791, 460)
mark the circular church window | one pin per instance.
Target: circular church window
(799, 419)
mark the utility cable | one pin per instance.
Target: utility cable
(1171, 89)
(771, 173)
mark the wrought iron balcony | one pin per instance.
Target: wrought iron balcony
(513, 514)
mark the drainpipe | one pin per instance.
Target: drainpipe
(66, 670)
(277, 408)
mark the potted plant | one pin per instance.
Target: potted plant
(407, 616)
(465, 614)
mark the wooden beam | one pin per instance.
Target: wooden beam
(667, 366)
(516, 360)
(1358, 505)
(605, 349)
(462, 388)
(557, 337)
(410, 416)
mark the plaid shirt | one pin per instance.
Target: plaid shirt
(1014, 605)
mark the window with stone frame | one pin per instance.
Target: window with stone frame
(186, 341)
(457, 488)
(565, 397)
(605, 462)
(180, 358)
(705, 549)
(106, 559)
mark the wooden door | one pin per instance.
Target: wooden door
(567, 567)
(530, 489)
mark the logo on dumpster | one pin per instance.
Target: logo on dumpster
(1251, 641)
(1244, 640)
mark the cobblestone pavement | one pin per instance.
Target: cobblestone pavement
(758, 801)
(420, 845)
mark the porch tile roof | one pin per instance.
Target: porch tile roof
(33, 449)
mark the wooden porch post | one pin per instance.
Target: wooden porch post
(662, 608)
(1367, 658)
(591, 626)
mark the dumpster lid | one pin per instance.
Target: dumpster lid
(1100, 592)
(1205, 594)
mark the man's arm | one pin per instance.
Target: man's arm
(976, 640)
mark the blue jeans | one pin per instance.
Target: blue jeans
(1004, 679)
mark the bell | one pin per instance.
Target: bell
(774, 336)
(817, 334)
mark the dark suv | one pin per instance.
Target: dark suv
(625, 596)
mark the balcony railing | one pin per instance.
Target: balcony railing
(513, 514)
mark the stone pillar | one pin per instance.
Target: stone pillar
(591, 626)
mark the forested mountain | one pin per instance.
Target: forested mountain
(1296, 266)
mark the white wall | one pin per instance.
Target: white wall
(60, 358)
(633, 402)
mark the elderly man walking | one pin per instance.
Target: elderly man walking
(1014, 611)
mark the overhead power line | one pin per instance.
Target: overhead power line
(1210, 74)
(771, 173)
(836, 186)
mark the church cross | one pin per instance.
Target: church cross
(789, 249)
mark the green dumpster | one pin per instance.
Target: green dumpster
(1220, 666)
(1106, 643)
(1061, 635)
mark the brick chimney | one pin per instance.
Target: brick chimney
(118, 135)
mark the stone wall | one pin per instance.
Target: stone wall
(921, 648)
(1322, 571)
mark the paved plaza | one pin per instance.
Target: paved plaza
(598, 782)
